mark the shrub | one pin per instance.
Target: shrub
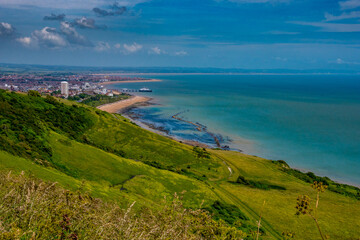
(33, 93)
(258, 184)
(232, 215)
(201, 152)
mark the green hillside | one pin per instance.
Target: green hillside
(105, 155)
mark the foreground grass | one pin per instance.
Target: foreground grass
(33, 209)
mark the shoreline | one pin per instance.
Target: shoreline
(204, 145)
(129, 81)
(122, 105)
(220, 73)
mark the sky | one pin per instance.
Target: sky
(248, 34)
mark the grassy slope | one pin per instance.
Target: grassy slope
(104, 174)
(142, 145)
(339, 215)
(90, 163)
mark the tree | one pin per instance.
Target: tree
(33, 93)
(51, 100)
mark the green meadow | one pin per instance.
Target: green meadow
(111, 158)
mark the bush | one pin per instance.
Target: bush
(258, 184)
(232, 215)
(33, 93)
(227, 212)
(201, 152)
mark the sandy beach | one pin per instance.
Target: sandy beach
(123, 104)
(129, 81)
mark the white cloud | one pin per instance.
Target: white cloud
(52, 38)
(133, 47)
(102, 47)
(349, 4)
(282, 59)
(117, 45)
(341, 61)
(66, 4)
(27, 41)
(155, 50)
(72, 35)
(350, 15)
(181, 53)
(259, 1)
(6, 29)
(332, 27)
(49, 37)
(85, 22)
(276, 32)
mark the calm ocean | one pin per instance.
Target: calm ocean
(310, 121)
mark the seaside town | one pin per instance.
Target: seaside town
(67, 85)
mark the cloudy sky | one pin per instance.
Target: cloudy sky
(289, 34)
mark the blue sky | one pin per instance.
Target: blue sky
(251, 34)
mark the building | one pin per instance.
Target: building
(86, 86)
(64, 89)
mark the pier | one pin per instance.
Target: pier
(126, 90)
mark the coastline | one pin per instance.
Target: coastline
(129, 81)
(194, 143)
(220, 73)
(123, 104)
(204, 145)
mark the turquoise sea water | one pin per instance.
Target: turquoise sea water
(311, 121)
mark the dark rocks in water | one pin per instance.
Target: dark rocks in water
(178, 127)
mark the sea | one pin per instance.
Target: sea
(310, 121)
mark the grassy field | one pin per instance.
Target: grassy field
(116, 160)
(338, 215)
